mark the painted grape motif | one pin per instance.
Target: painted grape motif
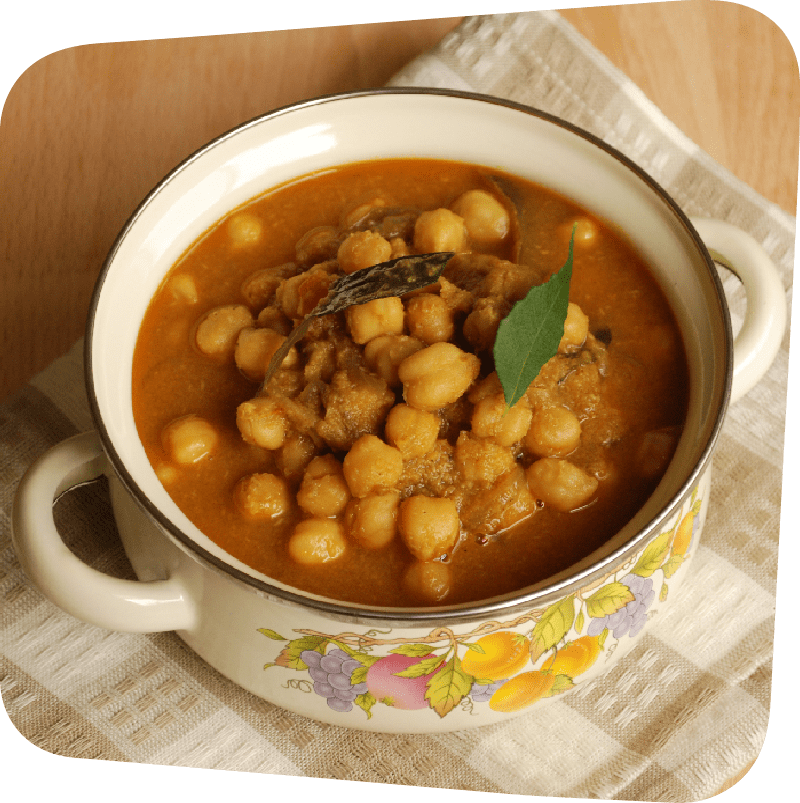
(506, 666)
(332, 675)
(630, 618)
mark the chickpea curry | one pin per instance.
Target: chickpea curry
(380, 464)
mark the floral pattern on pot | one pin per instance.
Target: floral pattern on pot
(511, 664)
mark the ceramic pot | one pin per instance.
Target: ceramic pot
(419, 670)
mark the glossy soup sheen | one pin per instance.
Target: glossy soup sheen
(633, 361)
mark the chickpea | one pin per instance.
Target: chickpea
(244, 229)
(412, 431)
(488, 386)
(372, 465)
(261, 422)
(295, 454)
(554, 432)
(372, 520)
(218, 329)
(298, 295)
(183, 288)
(381, 316)
(560, 484)
(189, 439)
(482, 461)
(273, 318)
(360, 213)
(317, 541)
(439, 230)
(323, 491)
(429, 318)
(429, 526)
(363, 249)
(383, 355)
(254, 350)
(576, 328)
(486, 219)
(258, 289)
(262, 496)
(428, 581)
(437, 375)
(491, 419)
(399, 248)
(167, 474)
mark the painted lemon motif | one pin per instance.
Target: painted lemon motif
(504, 654)
(683, 536)
(574, 658)
(521, 691)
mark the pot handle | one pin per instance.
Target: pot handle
(83, 592)
(758, 341)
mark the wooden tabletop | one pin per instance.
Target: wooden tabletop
(87, 131)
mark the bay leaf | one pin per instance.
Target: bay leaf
(529, 335)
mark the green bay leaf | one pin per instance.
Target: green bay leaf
(529, 335)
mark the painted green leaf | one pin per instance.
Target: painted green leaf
(448, 687)
(579, 622)
(561, 684)
(423, 667)
(343, 646)
(474, 648)
(290, 655)
(412, 650)
(662, 595)
(265, 631)
(672, 565)
(555, 623)
(608, 599)
(365, 701)
(653, 556)
(529, 335)
(360, 673)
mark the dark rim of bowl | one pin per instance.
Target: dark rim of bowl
(540, 595)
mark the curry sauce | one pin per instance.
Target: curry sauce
(380, 465)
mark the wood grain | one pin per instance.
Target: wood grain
(87, 131)
(725, 74)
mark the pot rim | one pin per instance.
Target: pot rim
(541, 594)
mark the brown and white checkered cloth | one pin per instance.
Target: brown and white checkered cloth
(673, 721)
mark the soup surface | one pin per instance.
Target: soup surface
(380, 465)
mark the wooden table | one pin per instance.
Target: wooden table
(87, 131)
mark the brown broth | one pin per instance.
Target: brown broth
(645, 381)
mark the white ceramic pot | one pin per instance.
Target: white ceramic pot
(538, 643)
